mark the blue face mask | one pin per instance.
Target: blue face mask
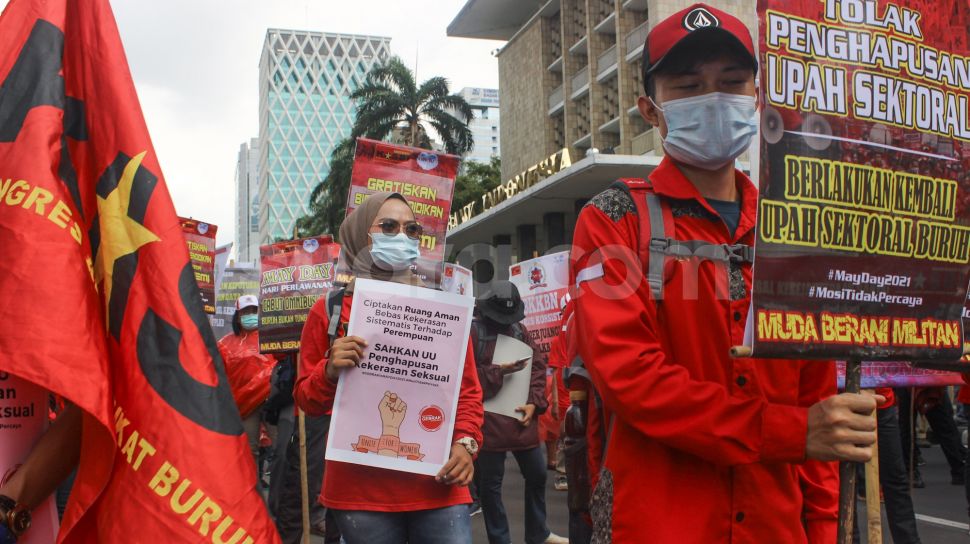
(393, 252)
(710, 130)
(249, 322)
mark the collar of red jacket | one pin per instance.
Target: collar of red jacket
(669, 181)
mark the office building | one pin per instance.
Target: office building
(485, 124)
(247, 202)
(570, 75)
(305, 110)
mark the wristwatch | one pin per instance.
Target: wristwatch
(14, 516)
(470, 444)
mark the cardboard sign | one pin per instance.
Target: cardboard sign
(542, 284)
(863, 239)
(396, 409)
(200, 238)
(457, 279)
(293, 275)
(425, 178)
(235, 283)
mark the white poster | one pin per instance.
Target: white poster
(457, 279)
(396, 409)
(515, 386)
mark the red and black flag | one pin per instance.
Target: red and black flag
(98, 302)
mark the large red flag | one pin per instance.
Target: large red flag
(98, 301)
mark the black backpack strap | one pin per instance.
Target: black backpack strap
(335, 303)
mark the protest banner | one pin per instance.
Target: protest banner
(396, 410)
(425, 178)
(457, 279)
(542, 283)
(293, 275)
(115, 323)
(236, 282)
(863, 238)
(200, 238)
(23, 409)
(900, 374)
(221, 261)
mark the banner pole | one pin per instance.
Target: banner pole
(873, 508)
(847, 470)
(304, 481)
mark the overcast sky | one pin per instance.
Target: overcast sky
(196, 65)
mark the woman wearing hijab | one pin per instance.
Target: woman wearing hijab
(379, 240)
(248, 370)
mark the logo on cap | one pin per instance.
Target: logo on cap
(700, 18)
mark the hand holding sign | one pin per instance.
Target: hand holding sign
(841, 428)
(459, 469)
(345, 353)
(527, 412)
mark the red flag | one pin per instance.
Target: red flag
(98, 301)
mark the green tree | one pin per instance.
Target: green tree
(389, 103)
(474, 180)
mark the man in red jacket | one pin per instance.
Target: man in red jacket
(702, 448)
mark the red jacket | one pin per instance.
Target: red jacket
(964, 394)
(355, 487)
(549, 422)
(705, 448)
(248, 370)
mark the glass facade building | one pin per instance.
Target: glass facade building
(305, 82)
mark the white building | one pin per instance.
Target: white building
(485, 125)
(247, 202)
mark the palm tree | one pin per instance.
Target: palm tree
(390, 99)
(389, 104)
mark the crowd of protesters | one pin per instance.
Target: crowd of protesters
(662, 436)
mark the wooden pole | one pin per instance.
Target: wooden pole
(873, 506)
(304, 482)
(847, 470)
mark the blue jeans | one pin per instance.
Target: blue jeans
(449, 525)
(491, 466)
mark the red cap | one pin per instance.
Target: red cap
(699, 19)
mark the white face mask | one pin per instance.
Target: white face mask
(709, 131)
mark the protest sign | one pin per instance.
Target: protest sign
(235, 283)
(542, 283)
(222, 261)
(425, 178)
(457, 279)
(515, 386)
(900, 374)
(293, 275)
(200, 238)
(23, 409)
(396, 410)
(863, 238)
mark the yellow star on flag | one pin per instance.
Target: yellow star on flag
(120, 235)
